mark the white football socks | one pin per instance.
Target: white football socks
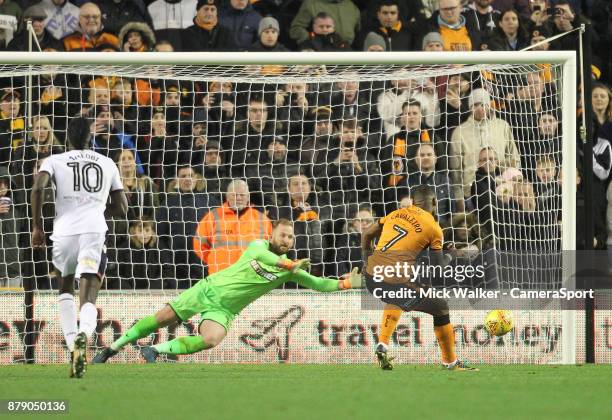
(88, 319)
(68, 318)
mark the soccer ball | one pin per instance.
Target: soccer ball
(499, 322)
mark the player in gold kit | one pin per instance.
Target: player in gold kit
(403, 235)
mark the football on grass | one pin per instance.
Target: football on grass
(499, 322)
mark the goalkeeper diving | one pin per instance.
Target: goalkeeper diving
(220, 297)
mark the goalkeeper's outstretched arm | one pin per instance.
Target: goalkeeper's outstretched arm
(262, 254)
(322, 284)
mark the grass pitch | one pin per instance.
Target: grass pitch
(190, 391)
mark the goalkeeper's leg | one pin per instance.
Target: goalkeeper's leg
(164, 317)
(211, 334)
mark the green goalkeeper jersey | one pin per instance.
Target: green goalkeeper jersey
(255, 274)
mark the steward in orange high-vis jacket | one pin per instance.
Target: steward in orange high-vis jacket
(225, 232)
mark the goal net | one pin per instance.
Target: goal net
(211, 152)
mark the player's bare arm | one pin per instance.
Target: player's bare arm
(368, 236)
(118, 205)
(41, 180)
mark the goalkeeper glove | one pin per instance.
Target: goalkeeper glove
(303, 264)
(294, 266)
(354, 280)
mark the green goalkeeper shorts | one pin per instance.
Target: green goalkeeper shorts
(197, 300)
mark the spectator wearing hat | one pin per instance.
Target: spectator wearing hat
(12, 125)
(374, 42)
(90, 33)
(509, 35)
(240, 19)
(9, 24)
(118, 13)
(11, 8)
(459, 31)
(62, 17)
(206, 34)
(170, 18)
(136, 37)
(46, 41)
(432, 42)
(344, 14)
(323, 36)
(483, 126)
(395, 33)
(268, 33)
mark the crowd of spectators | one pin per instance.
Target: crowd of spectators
(206, 165)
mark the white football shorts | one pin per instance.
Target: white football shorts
(80, 254)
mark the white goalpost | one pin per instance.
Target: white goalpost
(357, 130)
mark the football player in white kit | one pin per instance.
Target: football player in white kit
(83, 181)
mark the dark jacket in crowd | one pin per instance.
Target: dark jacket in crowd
(218, 38)
(257, 46)
(20, 42)
(118, 13)
(399, 38)
(141, 267)
(242, 24)
(177, 221)
(331, 42)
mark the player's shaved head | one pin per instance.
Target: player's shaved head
(79, 133)
(424, 196)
